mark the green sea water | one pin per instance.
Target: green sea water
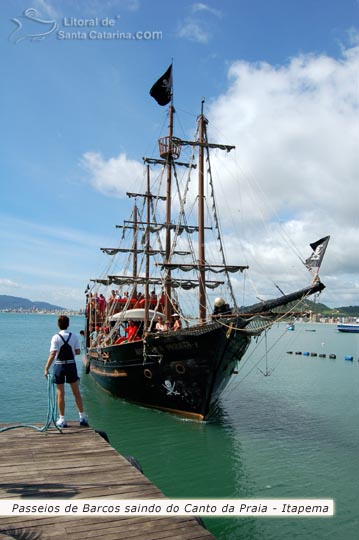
(293, 434)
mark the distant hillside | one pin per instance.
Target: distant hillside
(317, 307)
(18, 303)
(344, 311)
(349, 311)
(15, 302)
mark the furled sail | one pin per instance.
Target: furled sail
(115, 251)
(186, 284)
(173, 227)
(212, 268)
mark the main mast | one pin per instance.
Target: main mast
(170, 149)
(169, 156)
(134, 247)
(201, 248)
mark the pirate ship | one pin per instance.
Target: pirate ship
(143, 345)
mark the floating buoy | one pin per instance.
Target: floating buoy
(321, 355)
(349, 358)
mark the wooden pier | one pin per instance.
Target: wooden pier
(79, 464)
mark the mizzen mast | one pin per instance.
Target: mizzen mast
(202, 267)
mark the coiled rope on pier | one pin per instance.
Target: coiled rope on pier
(51, 411)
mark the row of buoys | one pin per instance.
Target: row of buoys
(348, 357)
(307, 353)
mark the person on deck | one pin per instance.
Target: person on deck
(153, 300)
(131, 331)
(177, 325)
(160, 325)
(94, 336)
(64, 346)
(102, 306)
(220, 307)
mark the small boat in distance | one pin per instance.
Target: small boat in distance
(290, 327)
(144, 343)
(348, 327)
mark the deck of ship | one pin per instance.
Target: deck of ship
(79, 464)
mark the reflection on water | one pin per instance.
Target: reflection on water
(184, 458)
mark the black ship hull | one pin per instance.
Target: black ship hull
(181, 372)
(184, 372)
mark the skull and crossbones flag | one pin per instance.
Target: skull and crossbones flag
(318, 247)
(161, 91)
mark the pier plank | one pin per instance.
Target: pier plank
(79, 464)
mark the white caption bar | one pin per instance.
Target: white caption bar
(168, 507)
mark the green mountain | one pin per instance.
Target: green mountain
(16, 303)
(317, 307)
(349, 311)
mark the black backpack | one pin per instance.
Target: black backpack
(65, 352)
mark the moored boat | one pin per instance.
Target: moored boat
(290, 327)
(348, 327)
(146, 346)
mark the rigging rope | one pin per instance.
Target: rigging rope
(233, 387)
(216, 220)
(51, 411)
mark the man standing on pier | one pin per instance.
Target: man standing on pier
(64, 347)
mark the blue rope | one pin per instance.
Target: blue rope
(51, 411)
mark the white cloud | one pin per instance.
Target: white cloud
(296, 128)
(46, 7)
(198, 27)
(200, 7)
(8, 283)
(114, 176)
(194, 32)
(132, 5)
(109, 8)
(90, 8)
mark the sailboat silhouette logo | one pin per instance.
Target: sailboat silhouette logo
(29, 26)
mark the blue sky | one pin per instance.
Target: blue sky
(280, 80)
